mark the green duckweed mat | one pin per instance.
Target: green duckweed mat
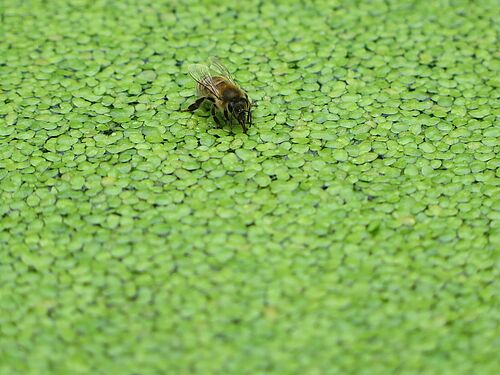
(354, 230)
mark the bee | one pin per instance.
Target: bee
(216, 85)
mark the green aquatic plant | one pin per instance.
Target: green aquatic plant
(353, 230)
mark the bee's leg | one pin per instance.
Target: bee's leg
(214, 115)
(249, 117)
(193, 107)
(228, 117)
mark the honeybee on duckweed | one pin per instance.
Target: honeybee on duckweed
(215, 84)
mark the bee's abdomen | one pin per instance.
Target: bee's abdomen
(206, 82)
(202, 88)
(220, 85)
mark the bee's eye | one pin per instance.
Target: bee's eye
(238, 107)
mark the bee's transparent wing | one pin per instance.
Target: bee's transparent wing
(219, 69)
(201, 74)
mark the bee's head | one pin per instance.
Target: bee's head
(239, 109)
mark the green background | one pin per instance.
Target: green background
(355, 230)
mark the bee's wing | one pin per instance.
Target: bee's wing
(217, 67)
(201, 74)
